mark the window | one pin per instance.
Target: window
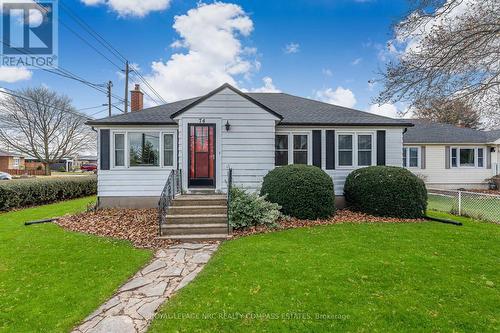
(281, 150)
(364, 150)
(345, 150)
(119, 150)
(411, 157)
(300, 149)
(16, 162)
(144, 149)
(480, 157)
(454, 162)
(467, 157)
(168, 150)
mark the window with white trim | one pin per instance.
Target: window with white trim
(355, 149)
(281, 149)
(345, 149)
(300, 149)
(411, 157)
(168, 149)
(364, 150)
(119, 150)
(16, 162)
(467, 157)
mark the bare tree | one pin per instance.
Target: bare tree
(40, 123)
(447, 50)
(455, 112)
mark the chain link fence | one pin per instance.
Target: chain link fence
(480, 206)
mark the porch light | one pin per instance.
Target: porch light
(228, 126)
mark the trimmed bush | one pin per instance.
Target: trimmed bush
(31, 192)
(302, 191)
(386, 191)
(250, 209)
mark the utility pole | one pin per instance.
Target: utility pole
(110, 84)
(125, 110)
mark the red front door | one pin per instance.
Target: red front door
(201, 155)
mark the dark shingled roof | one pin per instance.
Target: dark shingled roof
(425, 131)
(493, 135)
(294, 110)
(9, 153)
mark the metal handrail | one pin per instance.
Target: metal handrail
(173, 186)
(229, 187)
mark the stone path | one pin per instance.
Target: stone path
(133, 307)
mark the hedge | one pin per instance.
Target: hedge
(386, 191)
(303, 191)
(31, 192)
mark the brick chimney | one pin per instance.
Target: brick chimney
(136, 99)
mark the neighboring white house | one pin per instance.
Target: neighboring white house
(250, 133)
(451, 157)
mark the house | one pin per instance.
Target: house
(65, 164)
(450, 157)
(250, 133)
(11, 161)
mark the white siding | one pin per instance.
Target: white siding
(436, 175)
(247, 148)
(133, 181)
(394, 146)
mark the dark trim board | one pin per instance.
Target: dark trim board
(381, 147)
(316, 148)
(104, 143)
(330, 149)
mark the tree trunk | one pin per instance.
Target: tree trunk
(47, 169)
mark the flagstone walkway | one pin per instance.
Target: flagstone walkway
(133, 307)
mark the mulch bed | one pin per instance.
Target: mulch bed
(341, 216)
(485, 191)
(140, 226)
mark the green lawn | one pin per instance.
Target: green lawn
(50, 279)
(475, 206)
(429, 277)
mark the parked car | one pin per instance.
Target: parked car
(5, 176)
(88, 167)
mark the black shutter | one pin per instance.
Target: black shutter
(104, 148)
(380, 147)
(316, 148)
(330, 149)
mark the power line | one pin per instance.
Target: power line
(15, 94)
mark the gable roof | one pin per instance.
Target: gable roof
(493, 135)
(425, 131)
(291, 110)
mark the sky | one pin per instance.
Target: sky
(322, 49)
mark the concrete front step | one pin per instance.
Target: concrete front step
(197, 200)
(194, 229)
(197, 218)
(198, 238)
(197, 210)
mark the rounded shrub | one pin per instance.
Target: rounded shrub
(302, 191)
(386, 191)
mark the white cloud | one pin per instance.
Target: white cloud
(214, 54)
(386, 110)
(14, 74)
(327, 72)
(339, 96)
(356, 61)
(268, 86)
(292, 48)
(131, 7)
